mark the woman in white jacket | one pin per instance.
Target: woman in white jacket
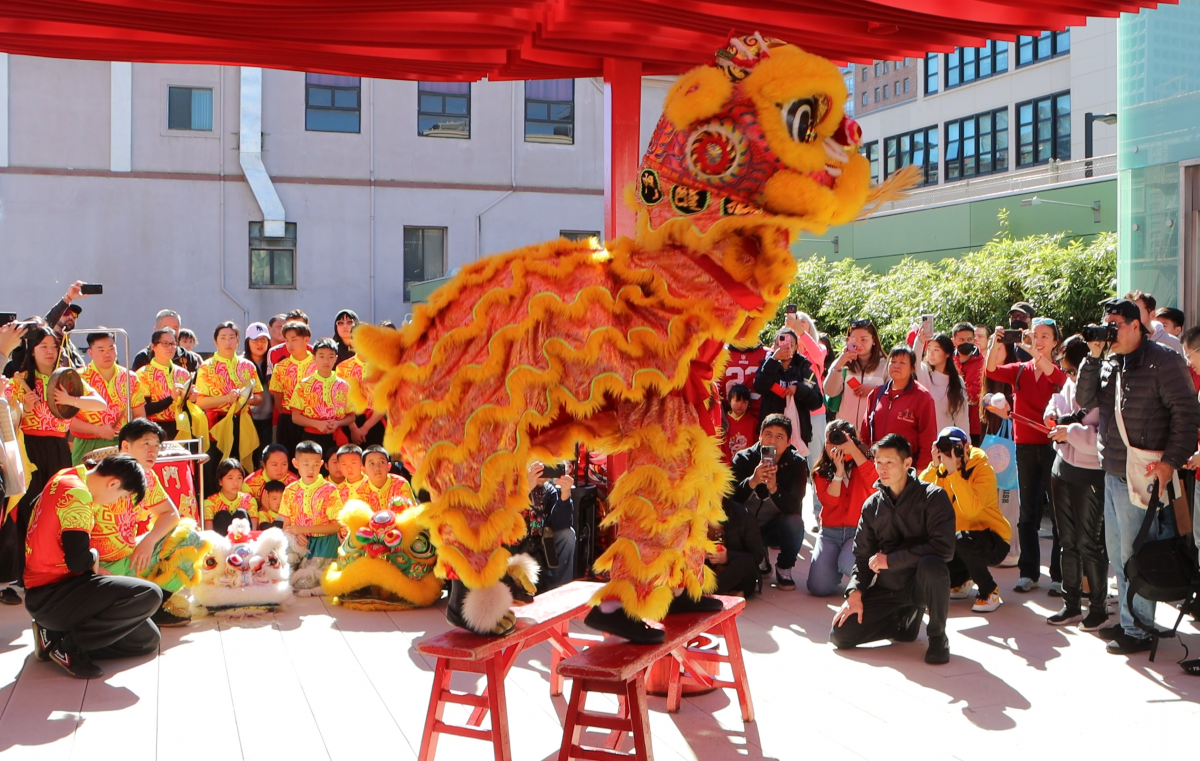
(859, 369)
(1077, 490)
(937, 372)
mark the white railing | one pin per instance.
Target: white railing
(1054, 173)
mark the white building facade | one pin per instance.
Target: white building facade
(135, 176)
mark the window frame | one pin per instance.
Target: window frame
(1059, 44)
(191, 131)
(260, 242)
(930, 148)
(406, 284)
(332, 108)
(870, 152)
(1054, 120)
(931, 76)
(421, 94)
(967, 67)
(994, 134)
(548, 139)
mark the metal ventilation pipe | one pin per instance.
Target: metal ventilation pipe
(250, 154)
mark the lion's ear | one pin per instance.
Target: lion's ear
(699, 94)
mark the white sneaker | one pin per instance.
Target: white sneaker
(1012, 560)
(988, 604)
(1025, 584)
(961, 593)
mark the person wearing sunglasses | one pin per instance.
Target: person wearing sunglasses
(1159, 414)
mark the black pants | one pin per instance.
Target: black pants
(974, 551)
(375, 435)
(107, 616)
(170, 427)
(887, 611)
(266, 436)
(1034, 463)
(288, 435)
(740, 574)
(1079, 513)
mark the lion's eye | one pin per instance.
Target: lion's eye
(800, 118)
(210, 562)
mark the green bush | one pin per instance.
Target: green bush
(1061, 276)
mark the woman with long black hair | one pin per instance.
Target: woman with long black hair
(257, 349)
(843, 479)
(937, 372)
(343, 333)
(44, 437)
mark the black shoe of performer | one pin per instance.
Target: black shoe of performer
(620, 625)
(10, 597)
(165, 619)
(939, 651)
(909, 627)
(74, 661)
(683, 603)
(44, 641)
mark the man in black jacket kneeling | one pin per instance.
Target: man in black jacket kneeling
(904, 539)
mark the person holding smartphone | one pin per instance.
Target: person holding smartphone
(551, 516)
(770, 479)
(859, 369)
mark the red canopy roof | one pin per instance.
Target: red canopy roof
(521, 39)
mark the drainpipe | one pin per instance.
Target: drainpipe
(250, 154)
(221, 218)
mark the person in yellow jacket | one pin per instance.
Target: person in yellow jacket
(982, 533)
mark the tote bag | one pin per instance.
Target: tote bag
(1002, 455)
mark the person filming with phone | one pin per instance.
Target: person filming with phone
(770, 480)
(1149, 418)
(550, 521)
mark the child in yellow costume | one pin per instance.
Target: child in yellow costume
(525, 353)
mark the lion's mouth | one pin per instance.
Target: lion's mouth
(836, 157)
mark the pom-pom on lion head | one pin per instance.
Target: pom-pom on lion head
(758, 135)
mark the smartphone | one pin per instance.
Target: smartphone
(927, 322)
(1011, 336)
(553, 471)
(7, 317)
(768, 454)
(91, 289)
(791, 309)
(853, 383)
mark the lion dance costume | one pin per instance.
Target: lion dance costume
(527, 352)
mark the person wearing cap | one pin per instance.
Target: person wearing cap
(188, 360)
(1158, 412)
(1146, 304)
(1033, 382)
(981, 532)
(256, 348)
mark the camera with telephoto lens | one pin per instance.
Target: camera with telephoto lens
(837, 437)
(1106, 333)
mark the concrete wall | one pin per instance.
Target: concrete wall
(173, 232)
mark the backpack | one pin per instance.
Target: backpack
(1164, 570)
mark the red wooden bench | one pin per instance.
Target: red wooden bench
(619, 668)
(547, 618)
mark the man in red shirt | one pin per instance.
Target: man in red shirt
(79, 614)
(904, 407)
(1034, 382)
(969, 362)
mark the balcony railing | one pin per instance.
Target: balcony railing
(1054, 173)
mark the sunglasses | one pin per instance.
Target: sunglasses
(856, 324)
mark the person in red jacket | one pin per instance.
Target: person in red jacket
(902, 406)
(969, 361)
(1033, 382)
(844, 477)
(743, 364)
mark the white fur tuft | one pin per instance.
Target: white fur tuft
(483, 608)
(524, 563)
(239, 526)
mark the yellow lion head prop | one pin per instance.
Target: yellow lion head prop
(758, 135)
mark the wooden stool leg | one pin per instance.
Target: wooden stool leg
(571, 728)
(556, 681)
(639, 718)
(429, 738)
(674, 684)
(734, 643)
(617, 736)
(498, 705)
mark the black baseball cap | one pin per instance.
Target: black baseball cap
(1123, 308)
(1022, 306)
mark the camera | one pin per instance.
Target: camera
(1106, 333)
(768, 454)
(554, 471)
(91, 289)
(1011, 336)
(950, 446)
(791, 309)
(7, 317)
(837, 437)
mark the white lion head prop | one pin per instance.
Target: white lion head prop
(241, 572)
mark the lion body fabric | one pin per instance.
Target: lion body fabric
(528, 352)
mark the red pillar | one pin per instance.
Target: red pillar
(622, 132)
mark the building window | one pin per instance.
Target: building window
(332, 103)
(190, 108)
(444, 109)
(1044, 129)
(1043, 47)
(871, 152)
(918, 148)
(906, 85)
(272, 260)
(885, 67)
(578, 235)
(977, 145)
(424, 256)
(876, 94)
(907, 62)
(885, 92)
(896, 89)
(877, 68)
(969, 64)
(864, 99)
(864, 72)
(550, 111)
(931, 73)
